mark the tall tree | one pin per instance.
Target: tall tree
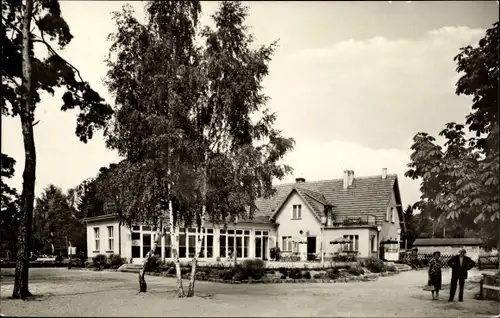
(24, 77)
(231, 143)
(152, 75)
(184, 120)
(460, 181)
(55, 220)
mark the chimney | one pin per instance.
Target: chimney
(300, 180)
(346, 179)
(351, 177)
(384, 173)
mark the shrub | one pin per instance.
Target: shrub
(154, 264)
(374, 264)
(283, 271)
(99, 260)
(390, 268)
(415, 263)
(319, 276)
(254, 268)
(171, 271)
(295, 273)
(306, 275)
(115, 261)
(356, 271)
(333, 273)
(226, 274)
(185, 270)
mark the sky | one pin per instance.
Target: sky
(352, 82)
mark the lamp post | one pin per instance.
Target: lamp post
(323, 223)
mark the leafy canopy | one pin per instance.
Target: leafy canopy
(48, 73)
(184, 115)
(460, 180)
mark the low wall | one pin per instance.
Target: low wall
(490, 287)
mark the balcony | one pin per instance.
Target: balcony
(352, 221)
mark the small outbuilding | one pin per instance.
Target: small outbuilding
(449, 246)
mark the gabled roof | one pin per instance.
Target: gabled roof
(447, 241)
(366, 196)
(314, 200)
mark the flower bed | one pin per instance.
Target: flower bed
(254, 272)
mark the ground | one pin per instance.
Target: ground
(64, 292)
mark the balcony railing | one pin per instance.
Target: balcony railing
(352, 221)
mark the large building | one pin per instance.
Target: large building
(302, 218)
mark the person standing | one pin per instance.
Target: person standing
(435, 275)
(460, 265)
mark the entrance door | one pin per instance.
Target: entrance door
(311, 247)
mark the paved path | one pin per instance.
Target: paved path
(83, 293)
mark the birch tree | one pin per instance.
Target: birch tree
(151, 75)
(235, 129)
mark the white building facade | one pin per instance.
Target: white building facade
(312, 212)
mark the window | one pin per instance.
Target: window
(353, 246)
(146, 244)
(258, 246)
(387, 214)
(111, 238)
(393, 215)
(222, 243)
(182, 245)
(168, 246)
(191, 244)
(97, 246)
(233, 242)
(210, 243)
(297, 211)
(288, 244)
(136, 244)
(373, 243)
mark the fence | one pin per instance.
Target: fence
(488, 261)
(423, 259)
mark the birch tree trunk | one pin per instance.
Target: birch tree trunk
(194, 263)
(199, 237)
(143, 287)
(174, 239)
(28, 194)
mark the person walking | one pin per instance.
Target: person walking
(460, 265)
(435, 275)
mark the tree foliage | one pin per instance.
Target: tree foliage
(56, 221)
(25, 76)
(9, 207)
(177, 101)
(49, 73)
(460, 180)
(191, 121)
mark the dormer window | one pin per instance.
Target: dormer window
(393, 215)
(387, 214)
(297, 212)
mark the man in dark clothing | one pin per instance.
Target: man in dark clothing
(460, 265)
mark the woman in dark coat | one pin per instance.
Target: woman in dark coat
(435, 275)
